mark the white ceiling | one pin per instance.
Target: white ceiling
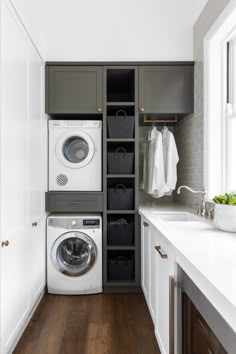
(111, 30)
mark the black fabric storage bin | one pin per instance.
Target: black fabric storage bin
(120, 126)
(120, 161)
(121, 268)
(120, 234)
(120, 198)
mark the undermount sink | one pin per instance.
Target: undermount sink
(181, 216)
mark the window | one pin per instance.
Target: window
(230, 149)
(220, 104)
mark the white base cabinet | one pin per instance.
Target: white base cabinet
(156, 273)
(145, 259)
(164, 314)
(22, 178)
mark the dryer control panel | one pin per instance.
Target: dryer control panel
(75, 124)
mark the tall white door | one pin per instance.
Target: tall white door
(22, 176)
(36, 177)
(14, 179)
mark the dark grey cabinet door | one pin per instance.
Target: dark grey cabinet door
(73, 89)
(166, 89)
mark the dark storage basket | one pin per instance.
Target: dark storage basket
(120, 233)
(120, 198)
(120, 161)
(120, 126)
(121, 268)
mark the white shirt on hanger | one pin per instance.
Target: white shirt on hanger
(171, 159)
(154, 174)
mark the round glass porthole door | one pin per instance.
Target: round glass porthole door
(75, 150)
(74, 254)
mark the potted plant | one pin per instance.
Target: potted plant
(225, 212)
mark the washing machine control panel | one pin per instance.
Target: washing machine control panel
(91, 222)
(75, 223)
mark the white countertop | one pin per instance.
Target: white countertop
(206, 254)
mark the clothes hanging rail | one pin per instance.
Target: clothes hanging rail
(146, 120)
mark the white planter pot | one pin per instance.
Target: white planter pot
(225, 217)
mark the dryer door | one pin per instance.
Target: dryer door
(75, 149)
(74, 253)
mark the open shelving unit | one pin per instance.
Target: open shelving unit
(120, 91)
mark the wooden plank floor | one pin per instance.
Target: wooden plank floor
(94, 324)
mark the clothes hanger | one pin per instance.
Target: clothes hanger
(164, 128)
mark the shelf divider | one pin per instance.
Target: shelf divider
(121, 211)
(122, 140)
(120, 103)
(120, 176)
(120, 248)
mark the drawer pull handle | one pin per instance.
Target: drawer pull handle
(75, 202)
(145, 224)
(161, 252)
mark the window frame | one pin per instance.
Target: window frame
(216, 95)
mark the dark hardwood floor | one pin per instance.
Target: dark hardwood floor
(94, 324)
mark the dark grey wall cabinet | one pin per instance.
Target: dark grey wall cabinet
(166, 89)
(73, 89)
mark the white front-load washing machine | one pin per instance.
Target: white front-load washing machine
(74, 254)
(75, 155)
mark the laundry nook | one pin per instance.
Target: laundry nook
(117, 178)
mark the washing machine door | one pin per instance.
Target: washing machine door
(75, 149)
(74, 253)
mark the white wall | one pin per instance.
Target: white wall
(106, 30)
(32, 14)
(212, 10)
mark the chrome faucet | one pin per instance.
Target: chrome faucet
(202, 209)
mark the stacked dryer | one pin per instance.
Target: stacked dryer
(74, 242)
(75, 155)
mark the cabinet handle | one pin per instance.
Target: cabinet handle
(161, 252)
(75, 202)
(99, 110)
(5, 243)
(145, 224)
(141, 109)
(171, 315)
(34, 224)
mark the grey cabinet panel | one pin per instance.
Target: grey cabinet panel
(73, 89)
(74, 202)
(166, 89)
